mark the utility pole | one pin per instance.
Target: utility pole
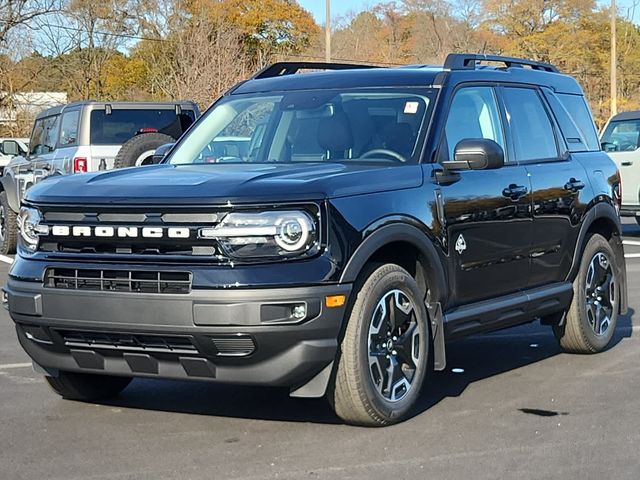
(614, 61)
(327, 32)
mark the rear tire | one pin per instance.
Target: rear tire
(139, 149)
(86, 387)
(592, 316)
(8, 227)
(385, 350)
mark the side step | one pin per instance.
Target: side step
(507, 311)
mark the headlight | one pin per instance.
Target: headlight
(30, 228)
(263, 235)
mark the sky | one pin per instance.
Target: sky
(341, 7)
(338, 7)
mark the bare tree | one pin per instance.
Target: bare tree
(199, 62)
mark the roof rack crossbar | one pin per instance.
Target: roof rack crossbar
(469, 61)
(289, 68)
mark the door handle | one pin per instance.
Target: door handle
(574, 185)
(515, 192)
(628, 163)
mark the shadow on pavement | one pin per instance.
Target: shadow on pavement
(478, 357)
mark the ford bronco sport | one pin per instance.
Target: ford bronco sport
(375, 214)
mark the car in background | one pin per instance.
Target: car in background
(620, 138)
(88, 136)
(12, 147)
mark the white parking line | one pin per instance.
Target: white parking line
(631, 242)
(5, 259)
(8, 366)
(632, 255)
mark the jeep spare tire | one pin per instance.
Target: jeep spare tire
(139, 150)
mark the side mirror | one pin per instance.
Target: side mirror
(608, 146)
(10, 147)
(161, 152)
(476, 154)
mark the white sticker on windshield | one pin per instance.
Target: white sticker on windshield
(411, 108)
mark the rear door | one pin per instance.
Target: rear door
(68, 142)
(487, 213)
(557, 181)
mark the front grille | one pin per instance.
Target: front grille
(123, 232)
(118, 280)
(127, 342)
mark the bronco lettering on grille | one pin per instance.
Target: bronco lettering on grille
(122, 232)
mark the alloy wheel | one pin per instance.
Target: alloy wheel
(600, 293)
(394, 345)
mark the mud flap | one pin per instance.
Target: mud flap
(437, 329)
(316, 387)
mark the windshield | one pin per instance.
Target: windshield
(622, 136)
(310, 126)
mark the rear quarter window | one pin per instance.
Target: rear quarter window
(577, 107)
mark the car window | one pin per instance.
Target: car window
(373, 126)
(473, 114)
(69, 128)
(532, 131)
(622, 136)
(579, 111)
(122, 124)
(44, 135)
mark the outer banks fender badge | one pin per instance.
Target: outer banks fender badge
(461, 244)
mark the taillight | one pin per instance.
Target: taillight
(80, 165)
(148, 130)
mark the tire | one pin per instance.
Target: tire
(358, 394)
(591, 318)
(86, 387)
(136, 148)
(8, 227)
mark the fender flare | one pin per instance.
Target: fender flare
(9, 186)
(603, 210)
(434, 272)
(598, 211)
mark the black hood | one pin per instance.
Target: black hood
(219, 184)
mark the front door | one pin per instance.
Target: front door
(487, 213)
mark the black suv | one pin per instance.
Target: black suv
(373, 215)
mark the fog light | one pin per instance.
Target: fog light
(299, 311)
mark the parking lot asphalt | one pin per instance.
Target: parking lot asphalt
(516, 408)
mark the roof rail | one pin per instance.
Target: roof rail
(469, 61)
(289, 68)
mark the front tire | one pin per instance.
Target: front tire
(591, 319)
(385, 350)
(8, 227)
(86, 387)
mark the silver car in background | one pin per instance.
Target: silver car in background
(85, 137)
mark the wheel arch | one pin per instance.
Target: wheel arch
(413, 249)
(8, 185)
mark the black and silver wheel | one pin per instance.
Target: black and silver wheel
(384, 353)
(87, 387)
(8, 227)
(591, 319)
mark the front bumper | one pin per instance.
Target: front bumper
(233, 335)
